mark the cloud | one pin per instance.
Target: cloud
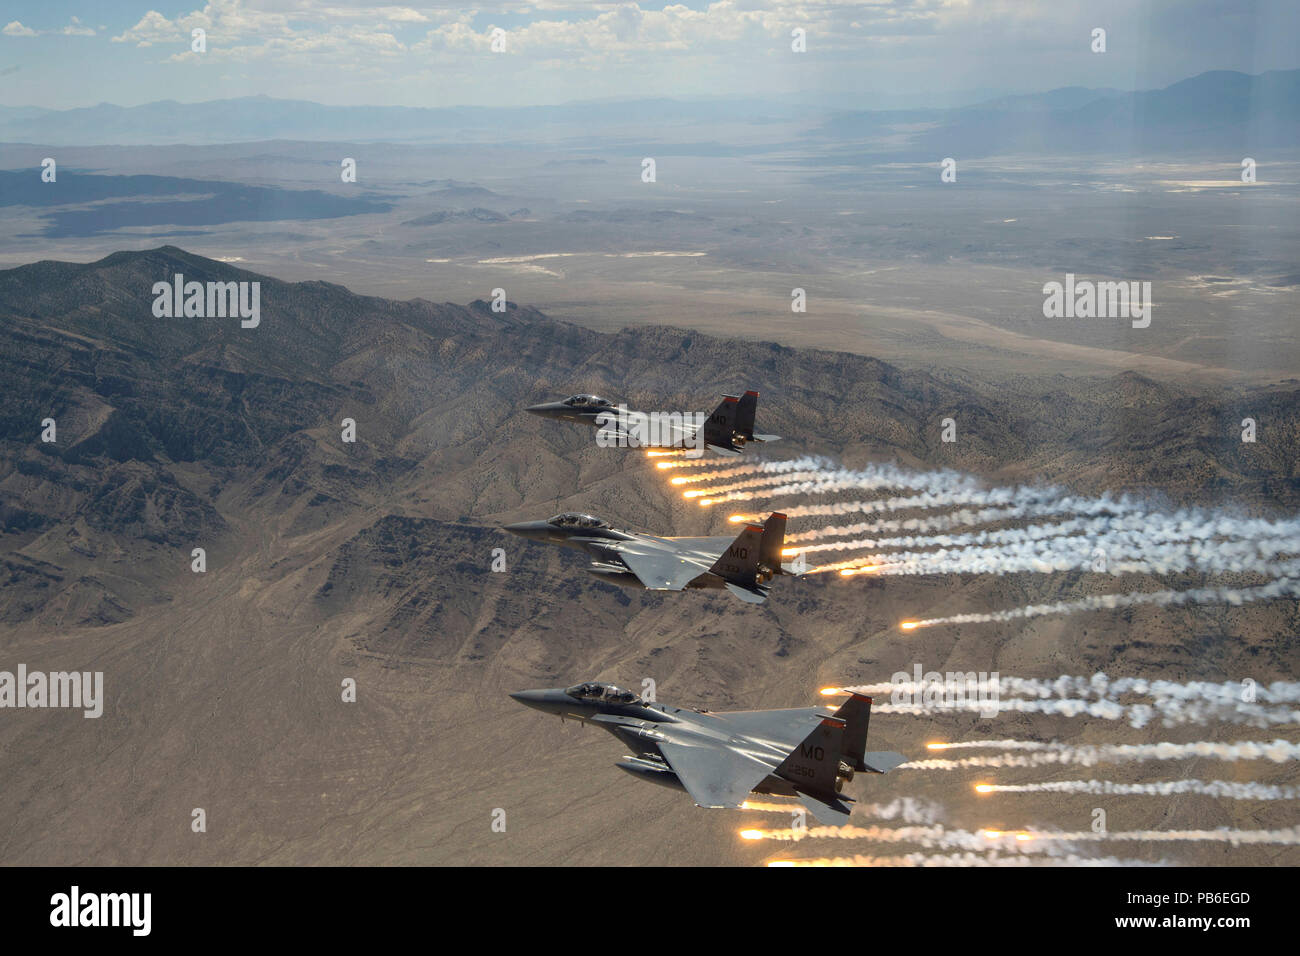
(616, 32)
(74, 29)
(77, 29)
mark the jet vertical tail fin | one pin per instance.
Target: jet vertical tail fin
(745, 410)
(856, 714)
(721, 425)
(814, 766)
(773, 543)
(739, 563)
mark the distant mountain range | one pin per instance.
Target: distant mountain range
(177, 430)
(1213, 111)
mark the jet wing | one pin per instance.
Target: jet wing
(663, 570)
(715, 776)
(783, 729)
(712, 546)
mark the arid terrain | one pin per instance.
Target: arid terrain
(372, 560)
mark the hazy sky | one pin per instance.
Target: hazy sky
(66, 53)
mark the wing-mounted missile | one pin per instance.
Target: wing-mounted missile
(655, 771)
(614, 574)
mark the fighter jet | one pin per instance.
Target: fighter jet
(743, 566)
(720, 758)
(726, 431)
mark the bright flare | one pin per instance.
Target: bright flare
(862, 569)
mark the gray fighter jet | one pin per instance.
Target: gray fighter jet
(720, 758)
(743, 566)
(726, 431)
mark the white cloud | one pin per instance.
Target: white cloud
(74, 29)
(77, 29)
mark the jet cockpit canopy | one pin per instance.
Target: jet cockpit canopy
(588, 401)
(574, 520)
(609, 693)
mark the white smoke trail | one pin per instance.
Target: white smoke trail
(1175, 704)
(1039, 504)
(771, 468)
(678, 461)
(998, 497)
(1100, 687)
(908, 809)
(962, 860)
(1128, 553)
(1171, 714)
(955, 519)
(1025, 841)
(1222, 789)
(1106, 534)
(1281, 588)
(933, 837)
(718, 493)
(1034, 754)
(748, 469)
(1111, 533)
(940, 489)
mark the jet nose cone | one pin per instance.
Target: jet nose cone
(537, 530)
(533, 698)
(549, 409)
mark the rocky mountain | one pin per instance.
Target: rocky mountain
(372, 559)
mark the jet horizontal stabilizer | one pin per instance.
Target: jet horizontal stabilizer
(882, 761)
(833, 812)
(755, 596)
